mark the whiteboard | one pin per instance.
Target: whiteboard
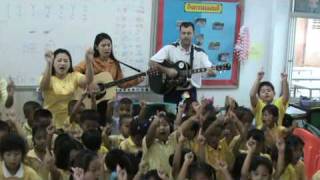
(29, 27)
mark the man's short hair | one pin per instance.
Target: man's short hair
(186, 25)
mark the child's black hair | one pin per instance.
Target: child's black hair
(138, 127)
(265, 83)
(13, 142)
(92, 139)
(118, 157)
(42, 113)
(126, 101)
(166, 118)
(4, 126)
(201, 167)
(244, 114)
(292, 142)
(29, 107)
(83, 159)
(257, 135)
(63, 145)
(89, 115)
(272, 109)
(151, 174)
(258, 161)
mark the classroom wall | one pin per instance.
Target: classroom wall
(268, 23)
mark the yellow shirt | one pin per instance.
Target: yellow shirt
(73, 129)
(36, 163)
(27, 173)
(260, 105)
(60, 93)
(157, 155)
(27, 129)
(115, 141)
(213, 156)
(289, 173)
(129, 146)
(300, 171)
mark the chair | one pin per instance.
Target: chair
(311, 151)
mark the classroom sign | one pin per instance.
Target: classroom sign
(217, 24)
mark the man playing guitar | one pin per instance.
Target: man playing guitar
(183, 50)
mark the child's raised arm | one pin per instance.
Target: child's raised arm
(285, 88)
(10, 90)
(151, 134)
(176, 165)
(45, 81)
(251, 145)
(188, 159)
(254, 89)
(281, 159)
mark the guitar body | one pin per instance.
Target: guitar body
(107, 94)
(160, 83)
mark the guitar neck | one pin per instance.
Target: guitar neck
(198, 70)
(120, 81)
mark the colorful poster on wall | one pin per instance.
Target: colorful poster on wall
(217, 24)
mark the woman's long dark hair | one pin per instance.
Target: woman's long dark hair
(61, 51)
(97, 40)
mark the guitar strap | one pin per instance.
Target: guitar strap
(191, 59)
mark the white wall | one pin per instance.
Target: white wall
(268, 23)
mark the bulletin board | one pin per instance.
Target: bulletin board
(30, 27)
(217, 24)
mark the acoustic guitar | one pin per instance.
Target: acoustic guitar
(161, 84)
(107, 87)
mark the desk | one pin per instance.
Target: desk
(296, 112)
(308, 86)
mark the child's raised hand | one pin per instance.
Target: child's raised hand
(49, 159)
(107, 129)
(143, 167)
(51, 130)
(78, 173)
(201, 138)
(251, 145)
(122, 173)
(162, 174)
(49, 56)
(260, 74)
(281, 145)
(181, 139)
(188, 158)
(10, 87)
(221, 165)
(89, 55)
(284, 76)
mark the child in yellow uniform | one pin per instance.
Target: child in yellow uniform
(158, 145)
(262, 93)
(35, 157)
(29, 108)
(270, 127)
(13, 150)
(133, 144)
(114, 140)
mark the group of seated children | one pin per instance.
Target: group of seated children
(197, 143)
